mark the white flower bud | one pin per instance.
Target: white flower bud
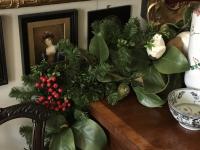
(158, 48)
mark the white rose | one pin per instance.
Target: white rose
(158, 48)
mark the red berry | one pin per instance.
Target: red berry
(41, 78)
(48, 80)
(66, 101)
(53, 78)
(50, 90)
(37, 85)
(41, 98)
(58, 102)
(37, 102)
(68, 105)
(54, 93)
(63, 109)
(56, 96)
(53, 103)
(49, 97)
(60, 90)
(48, 84)
(42, 85)
(55, 85)
(56, 109)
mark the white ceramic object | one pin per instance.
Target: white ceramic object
(192, 77)
(184, 105)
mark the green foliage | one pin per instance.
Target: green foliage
(99, 48)
(153, 80)
(114, 98)
(85, 135)
(172, 62)
(116, 58)
(23, 94)
(26, 132)
(64, 140)
(148, 99)
(104, 27)
(54, 123)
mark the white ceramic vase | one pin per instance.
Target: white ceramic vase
(192, 77)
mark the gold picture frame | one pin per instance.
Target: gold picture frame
(6, 4)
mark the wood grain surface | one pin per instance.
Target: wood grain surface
(132, 126)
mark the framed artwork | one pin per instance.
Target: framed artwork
(3, 70)
(122, 12)
(40, 33)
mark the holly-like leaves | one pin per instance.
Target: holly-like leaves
(172, 62)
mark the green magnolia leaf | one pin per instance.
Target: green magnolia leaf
(54, 123)
(99, 48)
(148, 99)
(63, 140)
(153, 81)
(173, 61)
(89, 135)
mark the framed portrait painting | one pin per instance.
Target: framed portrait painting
(3, 70)
(40, 33)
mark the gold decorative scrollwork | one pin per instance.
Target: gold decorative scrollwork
(24, 3)
(160, 12)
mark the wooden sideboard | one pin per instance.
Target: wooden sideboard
(131, 126)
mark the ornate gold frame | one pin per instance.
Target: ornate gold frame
(162, 11)
(4, 4)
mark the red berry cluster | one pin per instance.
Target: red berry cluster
(53, 99)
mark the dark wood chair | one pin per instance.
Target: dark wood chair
(37, 113)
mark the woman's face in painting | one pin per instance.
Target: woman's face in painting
(48, 42)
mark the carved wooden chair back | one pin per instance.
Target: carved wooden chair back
(32, 111)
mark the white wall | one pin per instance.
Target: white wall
(9, 136)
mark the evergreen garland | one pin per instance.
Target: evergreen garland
(116, 62)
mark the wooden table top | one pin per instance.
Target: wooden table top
(144, 128)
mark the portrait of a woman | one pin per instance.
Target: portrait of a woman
(49, 54)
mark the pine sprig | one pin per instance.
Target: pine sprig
(110, 28)
(26, 132)
(23, 94)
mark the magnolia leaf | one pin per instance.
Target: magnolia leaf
(89, 135)
(63, 140)
(99, 48)
(54, 123)
(153, 81)
(173, 61)
(148, 99)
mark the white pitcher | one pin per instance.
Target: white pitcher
(192, 77)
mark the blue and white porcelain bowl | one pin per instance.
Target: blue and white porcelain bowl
(184, 105)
